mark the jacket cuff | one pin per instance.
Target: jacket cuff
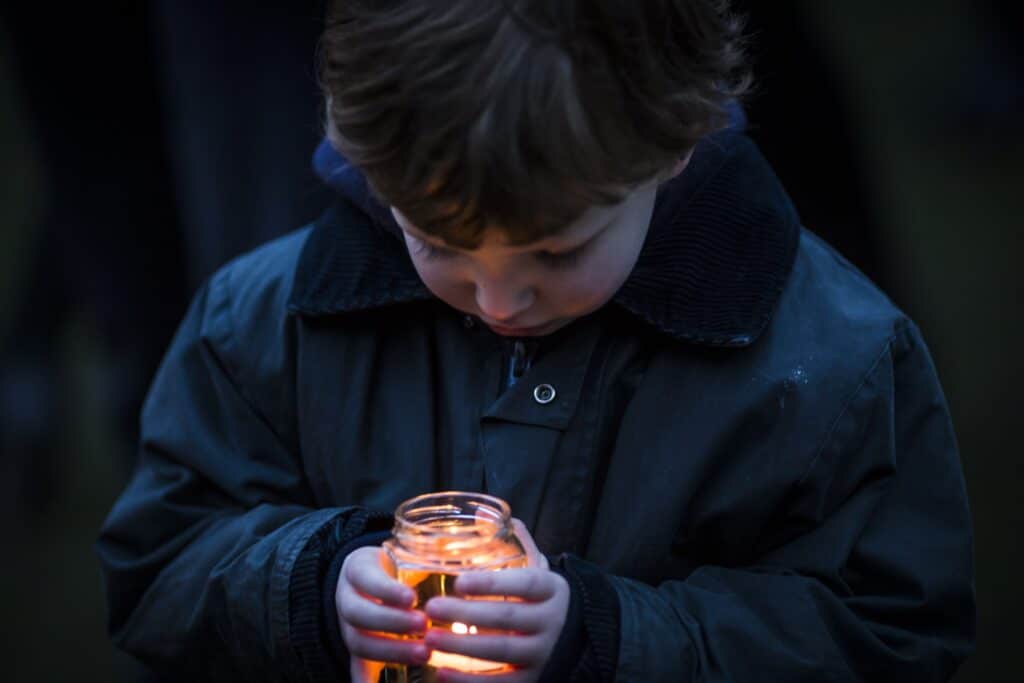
(573, 639)
(307, 624)
(590, 637)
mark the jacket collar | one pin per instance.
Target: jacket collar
(721, 244)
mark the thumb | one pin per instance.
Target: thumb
(534, 557)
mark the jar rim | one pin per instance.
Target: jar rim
(493, 507)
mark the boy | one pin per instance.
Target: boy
(574, 287)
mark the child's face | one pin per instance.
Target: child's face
(533, 290)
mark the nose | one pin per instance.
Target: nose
(502, 302)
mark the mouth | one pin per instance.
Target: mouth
(504, 331)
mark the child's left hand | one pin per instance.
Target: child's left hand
(535, 617)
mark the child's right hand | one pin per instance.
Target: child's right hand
(373, 608)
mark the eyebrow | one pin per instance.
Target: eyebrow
(602, 225)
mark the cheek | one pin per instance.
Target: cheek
(440, 277)
(598, 280)
(587, 288)
(445, 282)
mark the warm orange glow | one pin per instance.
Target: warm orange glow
(438, 537)
(448, 660)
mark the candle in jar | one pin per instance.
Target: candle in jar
(448, 660)
(436, 538)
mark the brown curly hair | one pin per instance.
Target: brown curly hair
(517, 115)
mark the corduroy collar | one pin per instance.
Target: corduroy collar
(721, 244)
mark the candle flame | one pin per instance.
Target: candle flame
(447, 660)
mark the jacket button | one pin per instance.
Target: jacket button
(468, 322)
(544, 393)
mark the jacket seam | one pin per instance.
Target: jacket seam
(848, 403)
(217, 341)
(589, 435)
(219, 353)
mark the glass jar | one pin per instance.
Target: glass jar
(437, 537)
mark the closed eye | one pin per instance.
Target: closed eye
(564, 259)
(550, 259)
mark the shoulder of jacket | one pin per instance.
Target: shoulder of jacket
(829, 296)
(831, 330)
(260, 281)
(246, 311)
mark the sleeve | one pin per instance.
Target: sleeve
(214, 556)
(879, 587)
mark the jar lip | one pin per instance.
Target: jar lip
(495, 507)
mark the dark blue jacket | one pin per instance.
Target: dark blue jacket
(748, 472)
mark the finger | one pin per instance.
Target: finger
(531, 584)
(378, 648)
(356, 610)
(365, 570)
(515, 650)
(534, 557)
(521, 617)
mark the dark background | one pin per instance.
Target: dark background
(142, 145)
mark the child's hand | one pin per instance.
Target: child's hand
(372, 608)
(535, 618)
